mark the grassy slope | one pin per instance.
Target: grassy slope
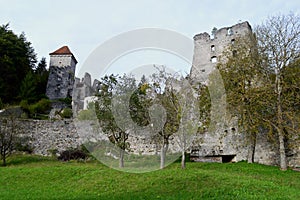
(42, 178)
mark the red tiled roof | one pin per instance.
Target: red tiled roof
(63, 51)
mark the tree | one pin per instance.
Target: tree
(28, 88)
(279, 45)
(189, 116)
(8, 131)
(17, 58)
(167, 122)
(33, 86)
(112, 90)
(41, 75)
(140, 103)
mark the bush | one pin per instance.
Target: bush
(67, 101)
(73, 154)
(24, 105)
(22, 144)
(87, 115)
(66, 113)
(41, 107)
(53, 152)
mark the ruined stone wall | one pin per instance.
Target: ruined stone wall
(47, 135)
(208, 49)
(83, 92)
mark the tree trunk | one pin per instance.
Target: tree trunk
(121, 159)
(163, 153)
(251, 149)
(4, 161)
(283, 164)
(162, 157)
(183, 160)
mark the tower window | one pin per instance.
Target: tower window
(213, 59)
(229, 31)
(212, 48)
(234, 53)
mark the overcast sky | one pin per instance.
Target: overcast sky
(85, 24)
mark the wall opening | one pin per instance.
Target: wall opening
(228, 158)
(232, 41)
(213, 59)
(234, 53)
(212, 48)
(229, 31)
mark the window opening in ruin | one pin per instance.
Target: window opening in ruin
(212, 48)
(229, 31)
(232, 41)
(234, 53)
(213, 59)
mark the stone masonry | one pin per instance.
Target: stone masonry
(61, 74)
(208, 49)
(47, 135)
(224, 142)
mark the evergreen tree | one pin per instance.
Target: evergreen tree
(17, 58)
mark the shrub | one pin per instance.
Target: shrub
(67, 101)
(41, 107)
(73, 154)
(66, 113)
(86, 115)
(22, 144)
(24, 105)
(53, 152)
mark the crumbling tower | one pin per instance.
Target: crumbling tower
(208, 49)
(61, 74)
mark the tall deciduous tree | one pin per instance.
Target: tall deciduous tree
(109, 110)
(189, 116)
(169, 121)
(279, 44)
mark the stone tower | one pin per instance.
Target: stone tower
(208, 49)
(61, 74)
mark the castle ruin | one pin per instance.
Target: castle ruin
(61, 74)
(208, 49)
(224, 145)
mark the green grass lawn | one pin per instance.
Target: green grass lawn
(33, 177)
